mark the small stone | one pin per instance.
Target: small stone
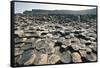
(83, 53)
(76, 57)
(61, 39)
(43, 59)
(19, 45)
(91, 57)
(66, 57)
(82, 46)
(24, 39)
(53, 59)
(88, 49)
(25, 56)
(67, 42)
(18, 40)
(20, 33)
(18, 51)
(31, 60)
(50, 50)
(75, 47)
(17, 58)
(67, 37)
(27, 46)
(64, 46)
(40, 44)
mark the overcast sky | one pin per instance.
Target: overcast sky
(22, 6)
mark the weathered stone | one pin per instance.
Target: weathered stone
(82, 41)
(18, 40)
(67, 37)
(20, 33)
(61, 39)
(19, 45)
(53, 59)
(83, 52)
(31, 60)
(17, 58)
(25, 56)
(76, 57)
(75, 46)
(72, 35)
(18, 51)
(66, 57)
(88, 49)
(67, 42)
(40, 44)
(49, 35)
(57, 50)
(27, 46)
(93, 46)
(82, 46)
(91, 57)
(50, 50)
(64, 46)
(24, 39)
(43, 59)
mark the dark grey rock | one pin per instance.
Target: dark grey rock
(66, 57)
(25, 57)
(91, 57)
(27, 46)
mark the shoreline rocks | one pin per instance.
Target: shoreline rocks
(50, 39)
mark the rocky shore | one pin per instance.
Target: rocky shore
(54, 39)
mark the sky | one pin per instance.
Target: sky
(20, 7)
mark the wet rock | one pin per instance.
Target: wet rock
(66, 57)
(76, 57)
(53, 59)
(91, 57)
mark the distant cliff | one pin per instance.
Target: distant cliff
(81, 12)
